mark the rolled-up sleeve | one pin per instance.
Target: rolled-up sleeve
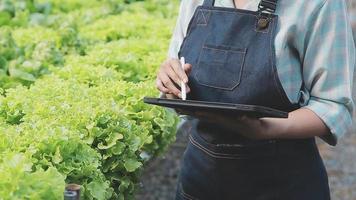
(328, 67)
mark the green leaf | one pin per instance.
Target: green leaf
(57, 158)
(19, 74)
(132, 164)
(111, 141)
(118, 148)
(97, 190)
(71, 108)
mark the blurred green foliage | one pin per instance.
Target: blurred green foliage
(73, 74)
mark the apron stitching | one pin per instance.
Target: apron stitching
(212, 154)
(226, 51)
(198, 22)
(210, 48)
(218, 155)
(205, 21)
(233, 145)
(225, 48)
(186, 196)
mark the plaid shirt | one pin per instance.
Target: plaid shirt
(314, 44)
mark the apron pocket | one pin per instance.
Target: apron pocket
(257, 150)
(220, 66)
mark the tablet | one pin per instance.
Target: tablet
(225, 108)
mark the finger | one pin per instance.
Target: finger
(171, 96)
(167, 82)
(187, 68)
(187, 88)
(173, 76)
(179, 70)
(160, 86)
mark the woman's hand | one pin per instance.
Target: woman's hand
(170, 75)
(301, 123)
(249, 127)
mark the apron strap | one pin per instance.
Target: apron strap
(268, 6)
(209, 3)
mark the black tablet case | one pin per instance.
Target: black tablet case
(226, 108)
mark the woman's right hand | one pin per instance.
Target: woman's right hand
(170, 75)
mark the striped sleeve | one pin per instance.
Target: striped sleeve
(328, 68)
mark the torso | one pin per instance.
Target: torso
(293, 18)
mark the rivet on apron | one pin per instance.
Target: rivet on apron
(263, 23)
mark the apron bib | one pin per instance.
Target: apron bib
(233, 58)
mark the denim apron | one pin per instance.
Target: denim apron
(233, 58)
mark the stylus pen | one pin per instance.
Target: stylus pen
(182, 84)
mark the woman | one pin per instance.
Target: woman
(292, 56)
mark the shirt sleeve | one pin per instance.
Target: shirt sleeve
(328, 67)
(177, 35)
(186, 12)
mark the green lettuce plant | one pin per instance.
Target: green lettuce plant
(72, 81)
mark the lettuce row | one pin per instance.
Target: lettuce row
(72, 78)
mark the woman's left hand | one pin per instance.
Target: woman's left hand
(301, 123)
(250, 127)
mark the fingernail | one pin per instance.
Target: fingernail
(185, 80)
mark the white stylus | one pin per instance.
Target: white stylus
(182, 84)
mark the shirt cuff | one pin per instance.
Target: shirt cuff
(335, 115)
